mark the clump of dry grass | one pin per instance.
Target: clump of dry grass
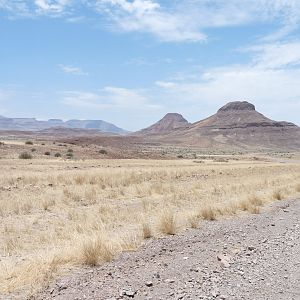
(208, 213)
(47, 203)
(97, 249)
(251, 204)
(193, 220)
(146, 229)
(167, 223)
(278, 195)
(11, 245)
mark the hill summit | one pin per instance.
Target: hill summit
(169, 123)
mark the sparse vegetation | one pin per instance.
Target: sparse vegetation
(68, 208)
(25, 155)
(47, 153)
(29, 143)
(57, 154)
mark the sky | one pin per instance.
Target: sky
(131, 62)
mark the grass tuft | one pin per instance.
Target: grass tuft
(208, 213)
(167, 224)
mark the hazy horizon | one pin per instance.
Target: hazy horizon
(131, 62)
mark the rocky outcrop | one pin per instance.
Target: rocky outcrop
(237, 106)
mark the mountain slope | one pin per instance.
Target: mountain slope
(237, 125)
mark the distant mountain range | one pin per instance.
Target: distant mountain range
(32, 124)
(236, 125)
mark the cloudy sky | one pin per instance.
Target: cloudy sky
(130, 62)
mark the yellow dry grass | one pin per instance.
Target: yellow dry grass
(56, 215)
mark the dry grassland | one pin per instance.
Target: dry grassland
(56, 215)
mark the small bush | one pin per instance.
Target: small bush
(47, 153)
(69, 155)
(180, 156)
(28, 143)
(57, 154)
(33, 150)
(2, 144)
(70, 150)
(25, 155)
(102, 151)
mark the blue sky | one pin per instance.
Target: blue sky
(130, 62)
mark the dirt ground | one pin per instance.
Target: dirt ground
(252, 257)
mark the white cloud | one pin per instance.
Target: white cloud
(32, 8)
(187, 20)
(276, 55)
(172, 21)
(165, 84)
(73, 70)
(148, 16)
(52, 6)
(109, 98)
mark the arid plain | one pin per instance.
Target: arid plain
(59, 213)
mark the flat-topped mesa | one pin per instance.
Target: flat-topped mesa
(237, 106)
(174, 117)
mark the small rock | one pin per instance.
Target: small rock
(149, 283)
(169, 280)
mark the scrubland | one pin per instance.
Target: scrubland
(59, 215)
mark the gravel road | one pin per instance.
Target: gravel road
(251, 257)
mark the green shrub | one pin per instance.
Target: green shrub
(25, 155)
(102, 151)
(57, 155)
(70, 155)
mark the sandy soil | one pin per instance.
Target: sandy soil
(251, 257)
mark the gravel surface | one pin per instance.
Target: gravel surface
(251, 257)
